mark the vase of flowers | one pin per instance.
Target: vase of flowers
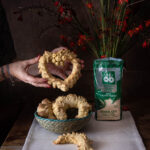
(108, 36)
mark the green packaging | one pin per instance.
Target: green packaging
(107, 85)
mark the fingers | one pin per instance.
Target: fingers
(35, 81)
(60, 74)
(41, 85)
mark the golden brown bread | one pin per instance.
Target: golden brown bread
(62, 103)
(44, 109)
(80, 139)
(59, 58)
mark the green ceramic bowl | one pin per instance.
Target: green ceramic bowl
(63, 126)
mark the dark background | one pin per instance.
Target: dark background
(30, 39)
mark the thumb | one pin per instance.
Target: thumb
(33, 60)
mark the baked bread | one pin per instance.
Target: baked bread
(80, 139)
(44, 109)
(59, 58)
(62, 103)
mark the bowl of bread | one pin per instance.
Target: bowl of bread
(66, 114)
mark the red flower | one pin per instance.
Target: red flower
(72, 44)
(130, 32)
(89, 5)
(62, 37)
(80, 42)
(103, 56)
(147, 23)
(61, 9)
(140, 27)
(82, 37)
(137, 29)
(124, 26)
(56, 3)
(145, 44)
(122, 1)
(68, 19)
(128, 11)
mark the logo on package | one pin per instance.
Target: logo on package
(108, 77)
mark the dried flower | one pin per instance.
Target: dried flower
(82, 37)
(147, 23)
(145, 44)
(89, 5)
(107, 31)
(122, 1)
(61, 9)
(130, 33)
(62, 37)
(80, 42)
(137, 29)
(124, 26)
(103, 56)
(72, 44)
(56, 3)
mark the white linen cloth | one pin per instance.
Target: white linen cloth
(106, 135)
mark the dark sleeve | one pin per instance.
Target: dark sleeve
(7, 51)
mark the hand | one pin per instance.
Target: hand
(19, 70)
(59, 71)
(62, 72)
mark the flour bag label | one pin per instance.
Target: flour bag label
(107, 84)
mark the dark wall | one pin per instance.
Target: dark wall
(30, 39)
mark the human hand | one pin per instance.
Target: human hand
(19, 70)
(60, 71)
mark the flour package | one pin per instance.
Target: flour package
(107, 83)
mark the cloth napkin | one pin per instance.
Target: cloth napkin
(106, 135)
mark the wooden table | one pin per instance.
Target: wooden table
(17, 135)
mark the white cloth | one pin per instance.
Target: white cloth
(106, 135)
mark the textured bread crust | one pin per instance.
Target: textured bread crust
(62, 103)
(44, 109)
(80, 139)
(59, 58)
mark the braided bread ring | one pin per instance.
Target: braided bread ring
(80, 139)
(44, 109)
(58, 58)
(62, 103)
